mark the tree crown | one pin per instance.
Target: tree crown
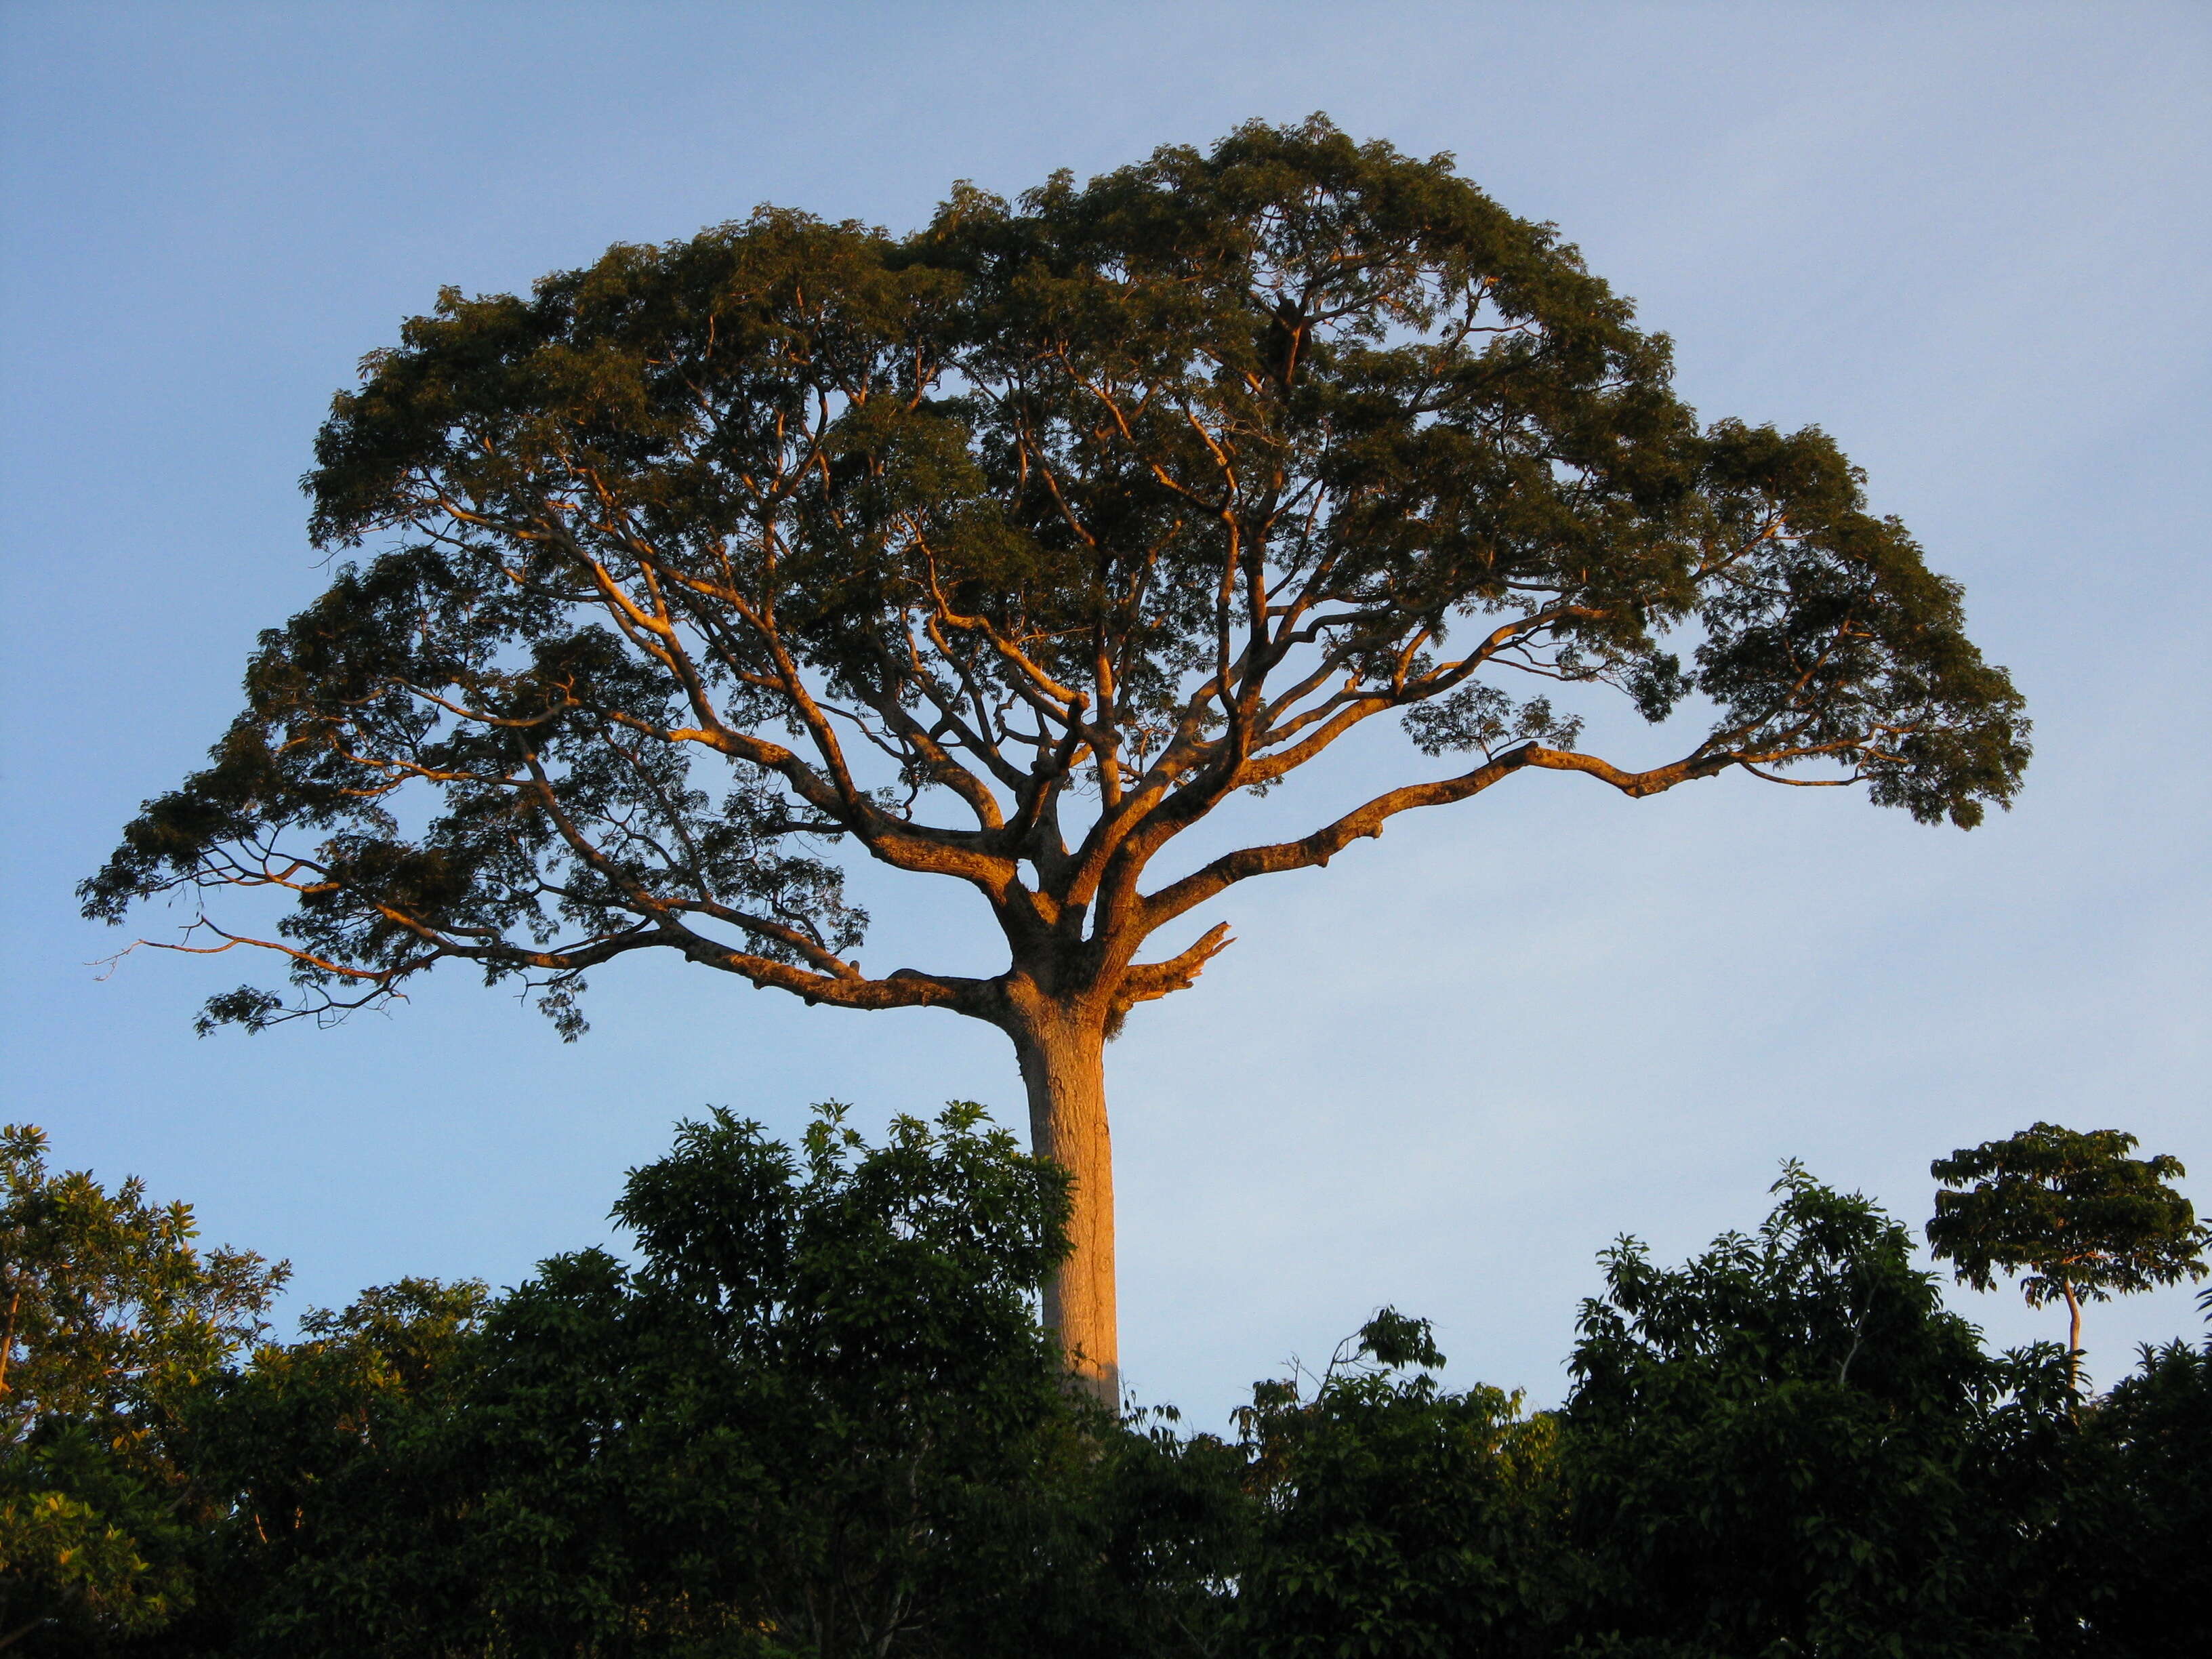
(111, 1317)
(2065, 1209)
(109, 1307)
(1007, 551)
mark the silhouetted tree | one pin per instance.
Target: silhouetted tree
(1396, 1518)
(819, 1416)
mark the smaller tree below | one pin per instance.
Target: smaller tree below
(2069, 1211)
(109, 1316)
(1781, 1446)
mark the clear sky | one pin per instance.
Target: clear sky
(1971, 241)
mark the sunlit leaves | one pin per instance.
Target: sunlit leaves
(111, 1319)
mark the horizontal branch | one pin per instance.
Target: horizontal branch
(845, 987)
(1367, 820)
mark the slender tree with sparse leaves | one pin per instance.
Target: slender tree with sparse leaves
(2072, 1213)
(1007, 552)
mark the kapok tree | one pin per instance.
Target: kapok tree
(1006, 552)
(2070, 1211)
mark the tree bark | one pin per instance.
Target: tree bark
(1063, 1060)
(2072, 1336)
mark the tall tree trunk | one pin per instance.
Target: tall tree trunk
(1063, 1059)
(2073, 1335)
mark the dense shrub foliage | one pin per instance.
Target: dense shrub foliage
(813, 1414)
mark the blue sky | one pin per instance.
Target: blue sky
(1970, 241)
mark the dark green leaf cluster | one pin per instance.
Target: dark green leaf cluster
(1782, 1446)
(2127, 1550)
(817, 1415)
(1785, 1445)
(1397, 1518)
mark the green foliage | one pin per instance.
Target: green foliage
(1111, 502)
(110, 1318)
(1397, 1519)
(815, 1415)
(797, 1425)
(2071, 1212)
(344, 1472)
(1778, 1447)
(2128, 1556)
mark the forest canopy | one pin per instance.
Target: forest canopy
(811, 1411)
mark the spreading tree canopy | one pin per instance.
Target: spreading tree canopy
(1005, 552)
(2072, 1213)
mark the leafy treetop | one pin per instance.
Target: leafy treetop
(1007, 551)
(108, 1306)
(111, 1318)
(2071, 1212)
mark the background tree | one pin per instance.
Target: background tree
(1008, 552)
(2072, 1212)
(2128, 1552)
(1786, 1444)
(345, 1474)
(1397, 1518)
(110, 1318)
(818, 1417)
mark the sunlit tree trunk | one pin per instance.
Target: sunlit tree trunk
(1062, 1052)
(2073, 1335)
